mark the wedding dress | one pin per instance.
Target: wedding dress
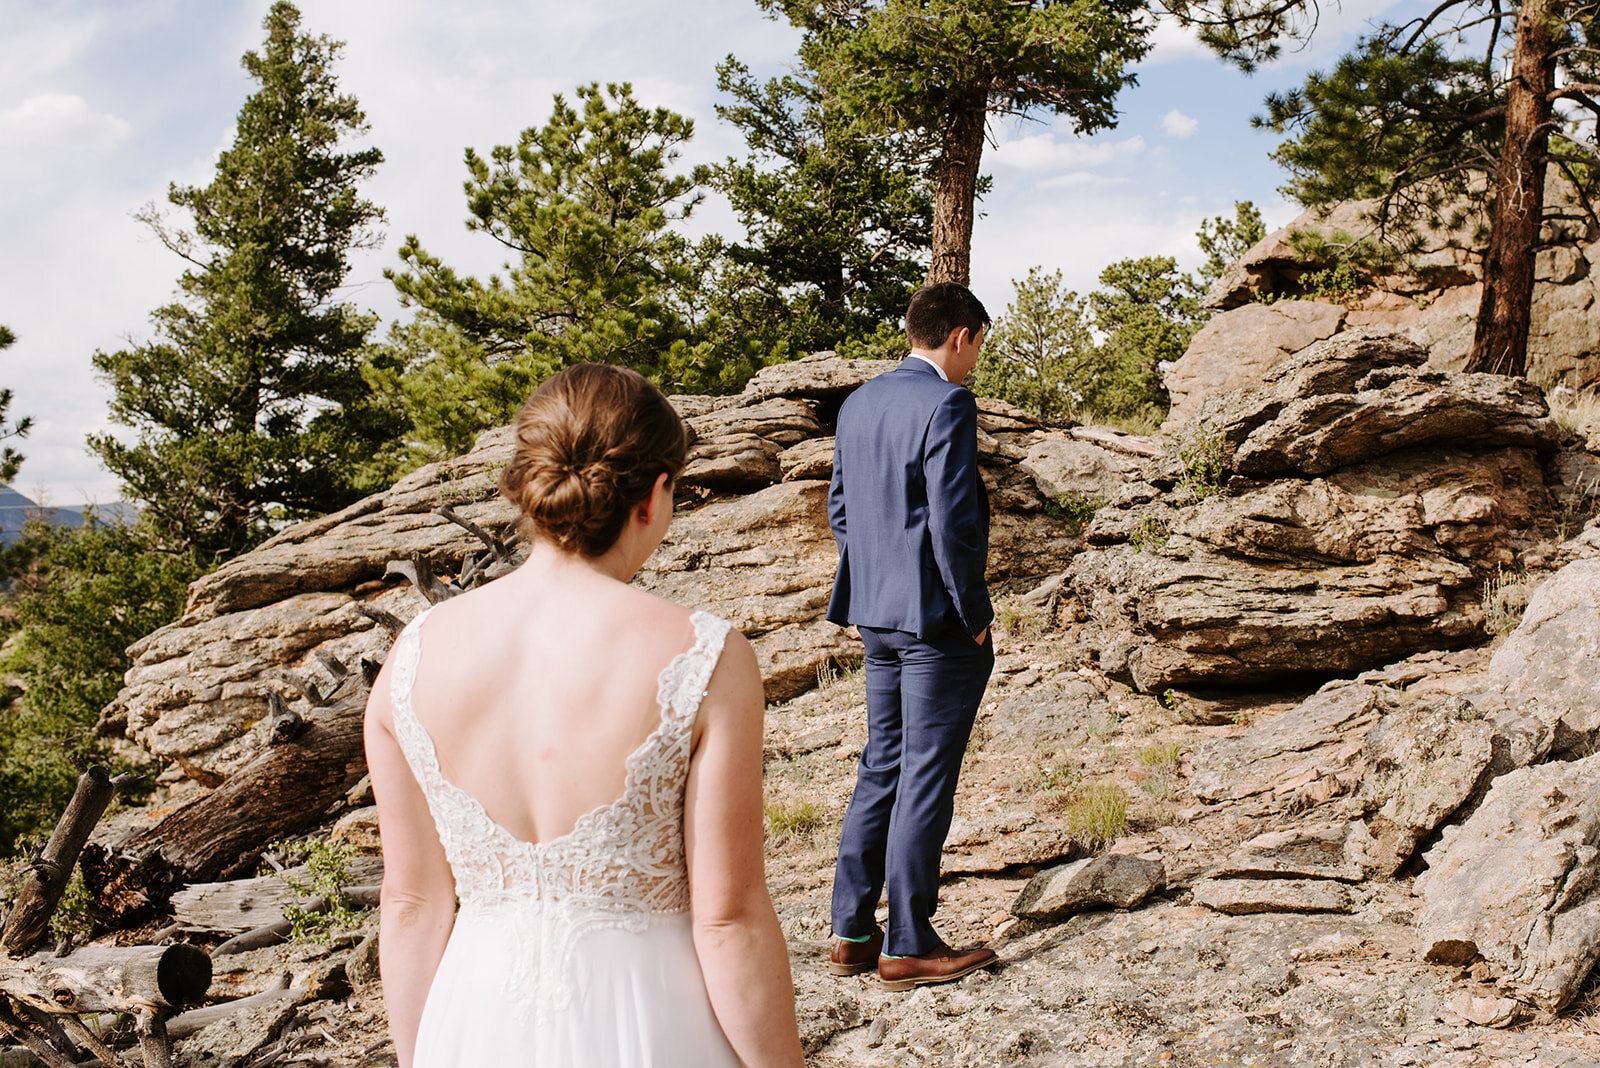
(576, 951)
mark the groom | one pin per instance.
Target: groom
(911, 518)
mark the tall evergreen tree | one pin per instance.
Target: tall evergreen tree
(249, 407)
(940, 68)
(1471, 103)
(837, 217)
(10, 458)
(584, 205)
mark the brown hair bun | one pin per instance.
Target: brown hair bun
(591, 442)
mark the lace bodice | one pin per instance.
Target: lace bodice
(621, 863)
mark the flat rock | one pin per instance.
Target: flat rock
(1238, 897)
(1518, 882)
(1318, 851)
(1112, 880)
(1234, 350)
(1321, 738)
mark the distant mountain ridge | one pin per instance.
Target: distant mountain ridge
(16, 509)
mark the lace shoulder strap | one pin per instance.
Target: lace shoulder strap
(414, 741)
(683, 682)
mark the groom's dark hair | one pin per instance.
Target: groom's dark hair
(938, 309)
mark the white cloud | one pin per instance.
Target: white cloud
(1179, 125)
(1079, 179)
(1042, 152)
(59, 121)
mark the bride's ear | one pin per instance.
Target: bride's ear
(649, 506)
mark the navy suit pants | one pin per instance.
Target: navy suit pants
(922, 697)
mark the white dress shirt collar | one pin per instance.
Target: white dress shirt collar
(930, 363)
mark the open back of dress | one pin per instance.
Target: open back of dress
(576, 951)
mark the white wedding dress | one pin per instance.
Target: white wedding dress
(573, 952)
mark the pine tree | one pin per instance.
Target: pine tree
(584, 205)
(10, 458)
(1225, 240)
(837, 218)
(940, 68)
(249, 408)
(1453, 119)
(1040, 355)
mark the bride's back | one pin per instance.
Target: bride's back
(537, 688)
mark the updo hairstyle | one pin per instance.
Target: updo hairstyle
(591, 441)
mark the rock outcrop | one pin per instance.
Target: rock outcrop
(1365, 496)
(1435, 304)
(750, 542)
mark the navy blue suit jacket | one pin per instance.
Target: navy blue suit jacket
(908, 508)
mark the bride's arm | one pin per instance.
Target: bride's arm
(736, 932)
(418, 901)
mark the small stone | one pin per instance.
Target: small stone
(1002, 929)
(1149, 947)
(972, 919)
(1484, 1011)
(1282, 1044)
(879, 1028)
(1463, 1042)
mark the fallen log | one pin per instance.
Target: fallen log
(244, 904)
(28, 923)
(185, 1024)
(109, 979)
(221, 834)
(270, 934)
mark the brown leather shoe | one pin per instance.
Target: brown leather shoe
(853, 958)
(940, 966)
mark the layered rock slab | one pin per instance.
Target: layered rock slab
(1365, 499)
(750, 541)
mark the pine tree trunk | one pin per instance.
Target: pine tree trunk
(956, 189)
(1500, 344)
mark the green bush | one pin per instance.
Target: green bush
(78, 598)
(327, 870)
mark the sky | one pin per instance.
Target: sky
(104, 103)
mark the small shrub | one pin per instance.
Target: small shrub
(1162, 761)
(1153, 530)
(1339, 284)
(1505, 595)
(827, 675)
(1204, 459)
(792, 820)
(1073, 509)
(1573, 409)
(327, 870)
(1098, 814)
(1101, 726)
(74, 916)
(1165, 755)
(1018, 623)
(1056, 782)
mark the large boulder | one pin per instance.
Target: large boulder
(750, 542)
(1550, 664)
(1366, 500)
(1519, 884)
(1434, 303)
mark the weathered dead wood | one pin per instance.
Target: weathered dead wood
(153, 1040)
(245, 904)
(109, 979)
(286, 789)
(36, 1044)
(385, 619)
(87, 1039)
(29, 921)
(419, 572)
(185, 1024)
(271, 934)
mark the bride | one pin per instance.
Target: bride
(579, 763)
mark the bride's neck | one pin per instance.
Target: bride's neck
(548, 561)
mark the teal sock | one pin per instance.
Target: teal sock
(892, 956)
(846, 938)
